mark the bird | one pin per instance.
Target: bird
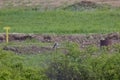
(55, 45)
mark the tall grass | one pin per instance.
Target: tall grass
(60, 21)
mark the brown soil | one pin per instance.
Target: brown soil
(82, 40)
(53, 3)
(27, 49)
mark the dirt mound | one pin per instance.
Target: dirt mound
(15, 37)
(83, 40)
(28, 49)
(82, 5)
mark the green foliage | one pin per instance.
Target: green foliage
(85, 65)
(90, 63)
(12, 68)
(106, 67)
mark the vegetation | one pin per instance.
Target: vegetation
(87, 64)
(30, 20)
(90, 63)
(12, 68)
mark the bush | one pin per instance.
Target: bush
(12, 68)
(106, 67)
(83, 65)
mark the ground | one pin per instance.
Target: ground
(41, 43)
(53, 3)
(49, 39)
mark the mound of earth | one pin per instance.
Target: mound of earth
(30, 49)
(82, 5)
(79, 38)
(82, 40)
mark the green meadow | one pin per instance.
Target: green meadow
(28, 20)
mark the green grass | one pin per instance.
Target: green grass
(25, 20)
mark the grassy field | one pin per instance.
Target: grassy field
(27, 20)
(91, 63)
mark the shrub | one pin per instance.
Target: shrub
(84, 65)
(12, 68)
